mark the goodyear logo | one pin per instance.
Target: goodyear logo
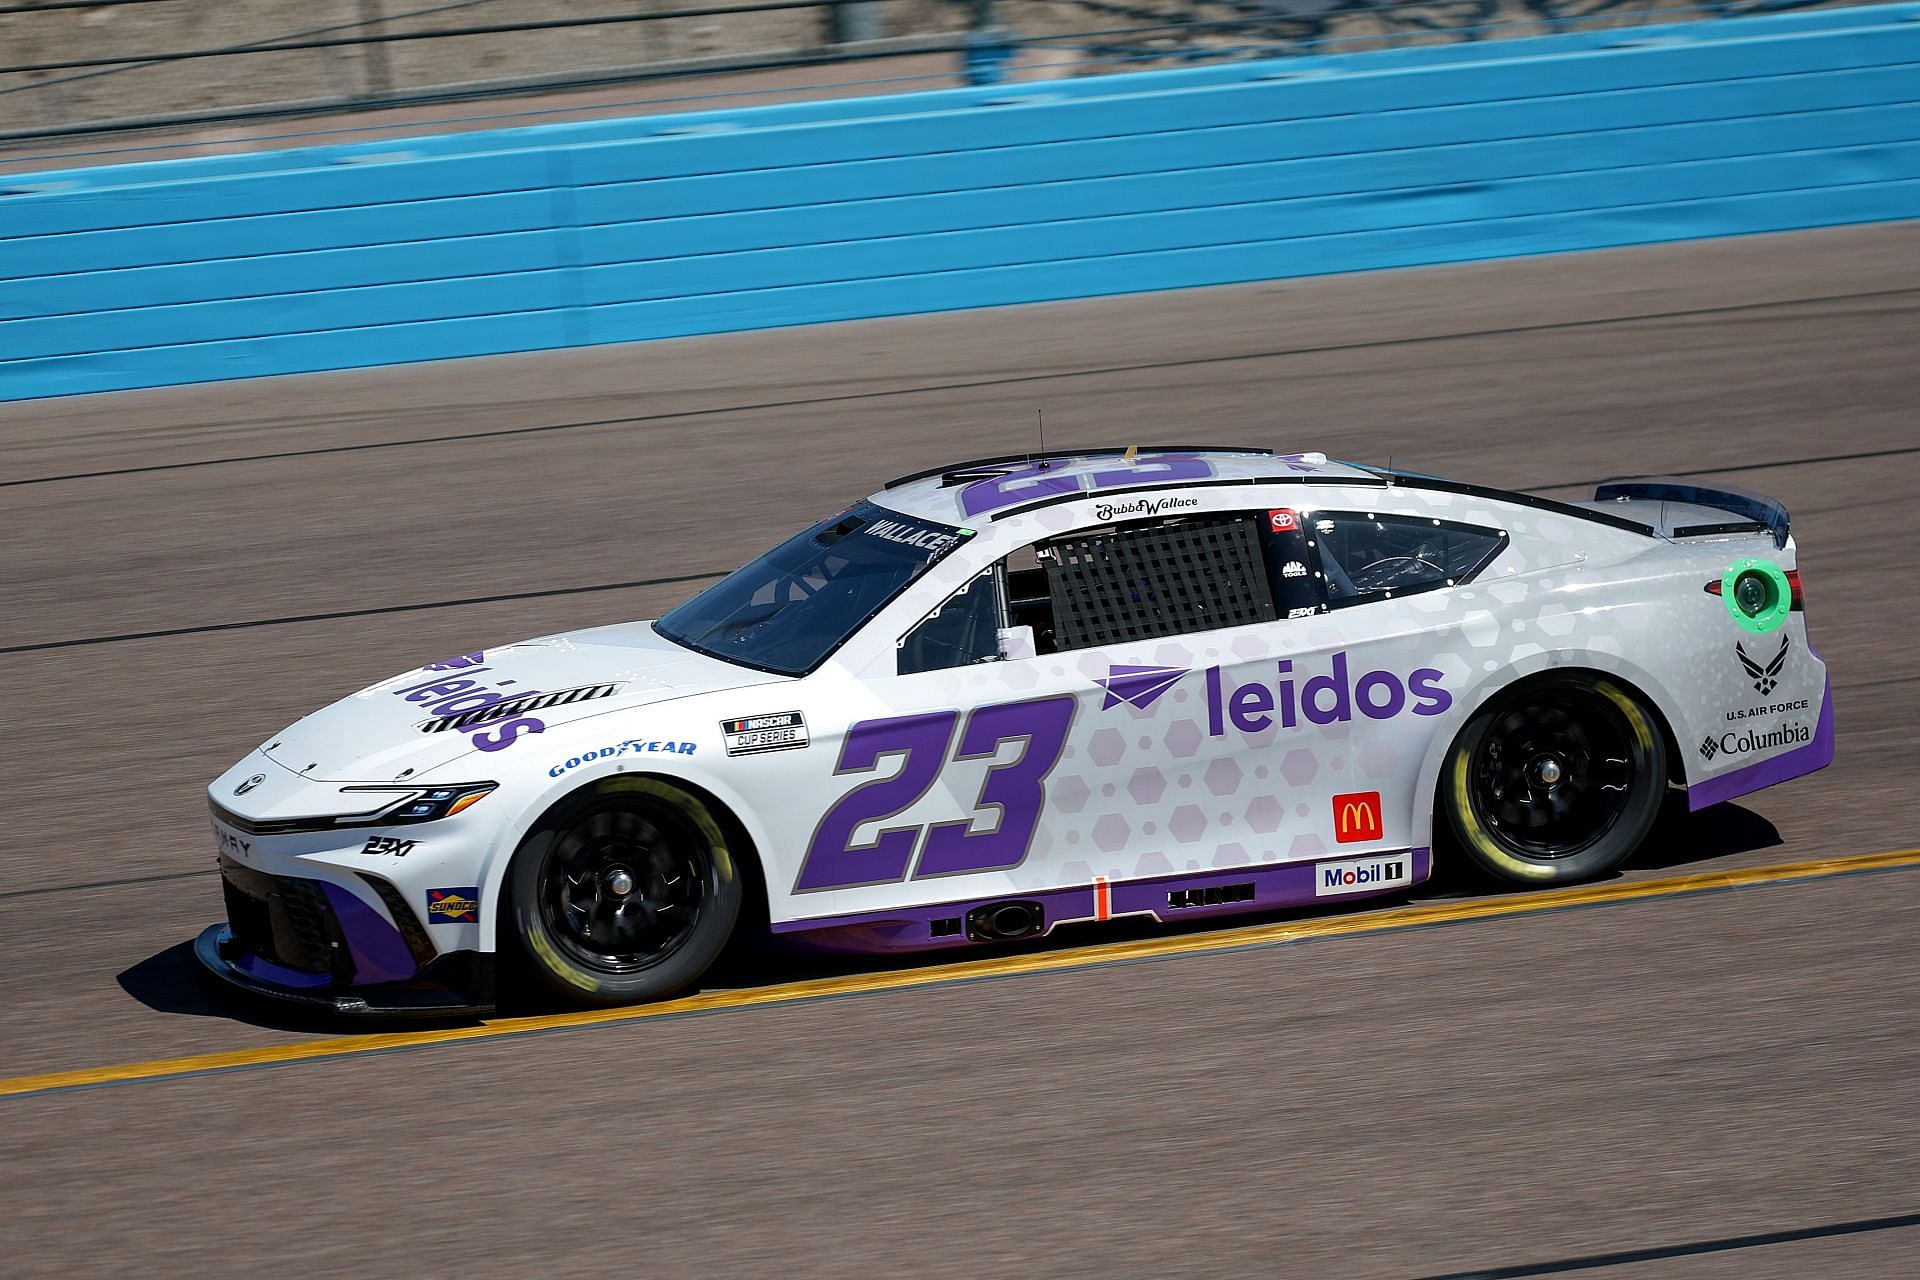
(453, 906)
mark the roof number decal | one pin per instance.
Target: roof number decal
(1049, 480)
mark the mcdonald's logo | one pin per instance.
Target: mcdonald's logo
(1356, 817)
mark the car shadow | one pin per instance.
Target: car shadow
(1720, 831)
(1679, 839)
(172, 982)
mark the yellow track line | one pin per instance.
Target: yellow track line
(992, 967)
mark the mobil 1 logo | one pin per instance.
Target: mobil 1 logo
(1361, 875)
(751, 735)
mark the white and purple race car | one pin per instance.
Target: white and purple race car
(1027, 692)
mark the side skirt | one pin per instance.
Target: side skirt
(1196, 895)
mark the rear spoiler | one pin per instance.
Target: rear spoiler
(1757, 512)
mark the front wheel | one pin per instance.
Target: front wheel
(1556, 780)
(625, 894)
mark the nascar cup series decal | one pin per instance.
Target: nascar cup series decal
(750, 735)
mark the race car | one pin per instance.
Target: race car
(1023, 693)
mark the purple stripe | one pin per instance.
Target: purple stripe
(379, 952)
(1802, 760)
(1274, 886)
(267, 971)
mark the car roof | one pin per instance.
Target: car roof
(960, 493)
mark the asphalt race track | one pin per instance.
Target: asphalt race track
(1720, 1084)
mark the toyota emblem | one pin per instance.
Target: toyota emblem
(250, 784)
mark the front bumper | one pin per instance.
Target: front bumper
(428, 996)
(317, 944)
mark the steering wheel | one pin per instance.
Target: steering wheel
(1391, 573)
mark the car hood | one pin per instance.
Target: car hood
(495, 700)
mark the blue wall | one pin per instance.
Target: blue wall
(612, 231)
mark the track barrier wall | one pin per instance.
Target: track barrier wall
(182, 271)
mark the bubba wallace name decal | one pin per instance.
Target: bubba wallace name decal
(1142, 507)
(932, 541)
(1321, 699)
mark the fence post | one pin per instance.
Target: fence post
(374, 66)
(851, 21)
(989, 46)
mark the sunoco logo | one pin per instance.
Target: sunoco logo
(1744, 742)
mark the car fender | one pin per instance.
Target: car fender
(1476, 695)
(541, 789)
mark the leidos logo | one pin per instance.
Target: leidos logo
(1356, 817)
(1362, 875)
(1322, 699)
(1137, 686)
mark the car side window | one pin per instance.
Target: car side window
(1162, 578)
(1366, 556)
(1118, 583)
(965, 629)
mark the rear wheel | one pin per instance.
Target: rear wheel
(626, 894)
(1556, 780)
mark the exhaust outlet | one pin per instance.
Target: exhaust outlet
(1005, 921)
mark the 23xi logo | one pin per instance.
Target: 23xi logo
(1766, 678)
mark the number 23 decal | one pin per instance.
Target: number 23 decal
(1016, 790)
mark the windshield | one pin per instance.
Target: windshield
(786, 611)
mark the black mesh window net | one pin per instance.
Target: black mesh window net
(1141, 583)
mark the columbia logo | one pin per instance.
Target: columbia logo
(1708, 748)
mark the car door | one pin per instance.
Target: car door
(1147, 734)
(940, 769)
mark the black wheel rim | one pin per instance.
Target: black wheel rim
(622, 887)
(1554, 772)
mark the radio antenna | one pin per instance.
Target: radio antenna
(1042, 416)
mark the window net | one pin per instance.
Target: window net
(1143, 583)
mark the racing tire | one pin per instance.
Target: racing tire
(1555, 780)
(625, 893)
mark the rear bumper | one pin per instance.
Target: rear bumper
(1816, 754)
(459, 985)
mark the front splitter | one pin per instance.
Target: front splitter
(211, 949)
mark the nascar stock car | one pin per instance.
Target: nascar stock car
(1014, 694)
